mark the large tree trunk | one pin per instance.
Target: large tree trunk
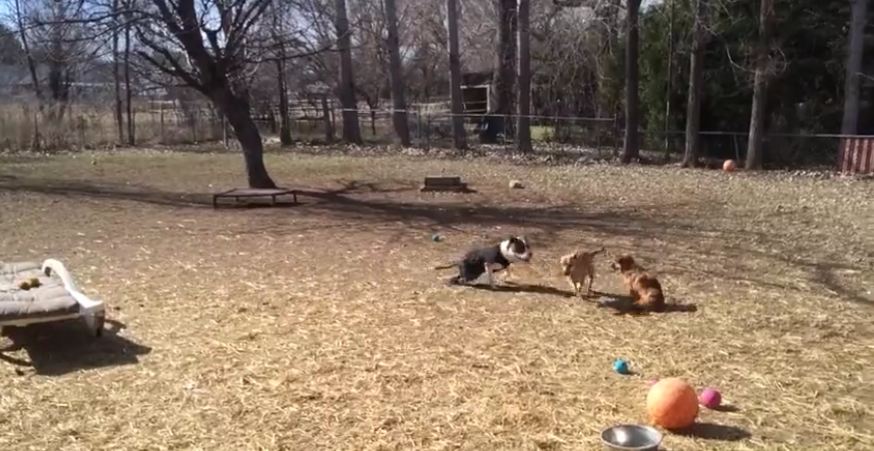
(855, 49)
(398, 95)
(346, 89)
(238, 114)
(523, 130)
(760, 86)
(696, 87)
(116, 76)
(131, 125)
(505, 72)
(631, 150)
(459, 139)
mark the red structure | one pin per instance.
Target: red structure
(857, 155)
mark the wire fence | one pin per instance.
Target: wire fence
(25, 126)
(599, 138)
(317, 121)
(782, 150)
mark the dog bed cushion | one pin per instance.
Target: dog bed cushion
(49, 299)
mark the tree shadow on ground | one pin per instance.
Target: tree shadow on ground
(64, 347)
(824, 274)
(70, 188)
(354, 200)
(547, 221)
(362, 204)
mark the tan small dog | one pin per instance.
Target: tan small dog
(645, 289)
(579, 268)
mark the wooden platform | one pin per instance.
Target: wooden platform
(253, 193)
(442, 183)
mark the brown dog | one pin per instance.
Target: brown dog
(579, 267)
(645, 289)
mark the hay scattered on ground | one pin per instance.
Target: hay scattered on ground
(323, 326)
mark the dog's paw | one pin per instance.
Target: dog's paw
(454, 281)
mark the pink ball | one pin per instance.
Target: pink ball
(710, 398)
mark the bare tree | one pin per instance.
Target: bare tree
(760, 86)
(215, 65)
(505, 81)
(398, 95)
(281, 84)
(523, 131)
(696, 86)
(25, 44)
(326, 117)
(459, 139)
(670, 80)
(427, 66)
(346, 88)
(320, 69)
(51, 33)
(282, 87)
(370, 55)
(116, 72)
(505, 71)
(11, 52)
(631, 150)
(855, 49)
(131, 124)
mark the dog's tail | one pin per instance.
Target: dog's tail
(446, 266)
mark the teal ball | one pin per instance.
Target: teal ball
(621, 366)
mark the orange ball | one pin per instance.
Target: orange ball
(672, 404)
(729, 166)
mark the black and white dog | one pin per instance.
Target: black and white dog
(489, 260)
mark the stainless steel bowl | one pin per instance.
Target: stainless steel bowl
(631, 437)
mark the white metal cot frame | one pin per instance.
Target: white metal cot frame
(93, 312)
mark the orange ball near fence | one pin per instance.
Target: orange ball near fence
(672, 404)
(729, 166)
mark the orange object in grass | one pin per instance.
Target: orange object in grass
(729, 166)
(672, 404)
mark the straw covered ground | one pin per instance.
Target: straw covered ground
(324, 326)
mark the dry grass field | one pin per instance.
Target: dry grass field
(324, 326)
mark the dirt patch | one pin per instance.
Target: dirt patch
(323, 326)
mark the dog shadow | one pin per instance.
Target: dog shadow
(624, 305)
(713, 431)
(510, 287)
(726, 408)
